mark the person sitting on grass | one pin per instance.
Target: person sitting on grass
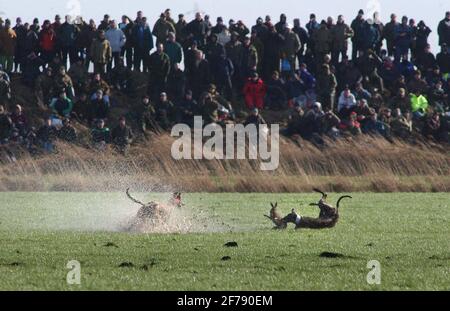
(164, 111)
(347, 103)
(62, 105)
(46, 135)
(6, 125)
(67, 132)
(401, 124)
(419, 104)
(100, 135)
(254, 92)
(63, 81)
(43, 87)
(97, 83)
(373, 126)
(20, 120)
(255, 118)
(186, 109)
(351, 124)
(79, 75)
(122, 136)
(5, 90)
(120, 76)
(100, 105)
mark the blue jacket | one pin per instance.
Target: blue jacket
(369, 36)
(142, 37)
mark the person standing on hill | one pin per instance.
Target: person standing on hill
(159, 68)
(340, 34)
(389, 34)
(8, 39)
(104, 24)
(326, 88)
(117, 40)
(291, 46)
(67, 36)
(356, 39)
(47, 42)
(444, 30)
(403, 39)
(162, 28)
(143, 43)
(127, 50)
(19, 55)
(100, 53)
(173, 49)
(197, 30)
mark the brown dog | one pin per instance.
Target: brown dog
(154, 213)
(328, 219)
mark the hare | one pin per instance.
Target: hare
(276, 217)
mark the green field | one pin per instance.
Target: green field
(408, 234)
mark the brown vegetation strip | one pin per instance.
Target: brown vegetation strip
(351, 164)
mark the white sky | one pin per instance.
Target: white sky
(431, 11)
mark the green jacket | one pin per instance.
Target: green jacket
(159, 66)
(174, 51)
(418, 103)
(62, 107)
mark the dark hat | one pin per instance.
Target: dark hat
(220, 19)
(361, 12)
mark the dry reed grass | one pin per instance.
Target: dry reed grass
(352, 164)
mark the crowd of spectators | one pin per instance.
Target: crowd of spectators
(391, 84)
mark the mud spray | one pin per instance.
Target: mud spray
(105, 211)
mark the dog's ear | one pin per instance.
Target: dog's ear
(293, 211)
(276, 204)
(271, 204)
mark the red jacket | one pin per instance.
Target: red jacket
(254, 93)
(47, 40)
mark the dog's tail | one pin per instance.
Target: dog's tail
(339, 201)
(324, 195)
(133, 199)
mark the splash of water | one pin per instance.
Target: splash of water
(372, 7)
(73, 8)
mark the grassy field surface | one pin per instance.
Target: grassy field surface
(40, 232)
